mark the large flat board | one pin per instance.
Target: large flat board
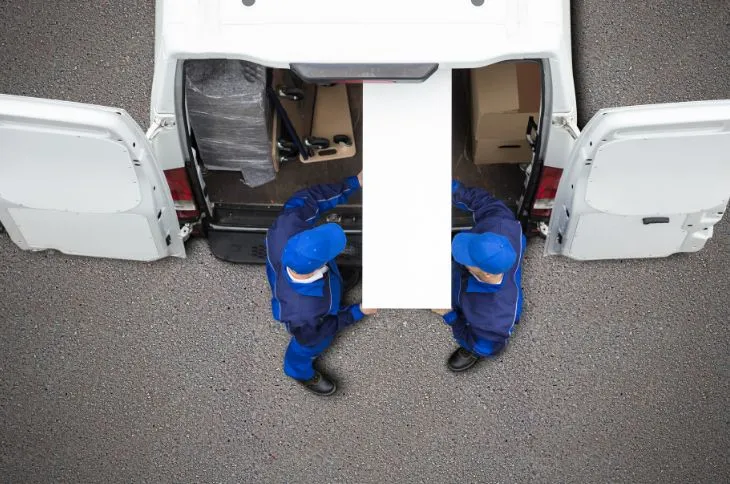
(407, 194)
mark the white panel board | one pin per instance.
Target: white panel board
(407, 194)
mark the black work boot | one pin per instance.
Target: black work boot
(462, 360)
(319, 384)
(350, 278)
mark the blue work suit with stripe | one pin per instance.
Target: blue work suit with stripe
(483, 315)
(311, 312)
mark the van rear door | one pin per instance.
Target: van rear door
(82, 179)
(644, 181)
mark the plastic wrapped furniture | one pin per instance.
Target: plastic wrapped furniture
(229, 113)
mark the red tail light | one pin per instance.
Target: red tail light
(182, 194)
(546, 191)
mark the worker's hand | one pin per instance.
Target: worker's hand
(359, 177)
(368, 311)
(441, 312)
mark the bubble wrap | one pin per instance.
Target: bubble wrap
(229, 113)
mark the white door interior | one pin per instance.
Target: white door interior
(644, 181)
(82, 179)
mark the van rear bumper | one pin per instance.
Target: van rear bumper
(238, 246)
(244, 246)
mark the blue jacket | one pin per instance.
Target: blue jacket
(311, 312)
(486, 313)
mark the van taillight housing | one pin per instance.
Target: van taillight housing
(546, 191)
(182, 194)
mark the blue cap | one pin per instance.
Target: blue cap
(309, 250)
(490, 252)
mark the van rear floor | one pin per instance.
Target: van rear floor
(503, 181)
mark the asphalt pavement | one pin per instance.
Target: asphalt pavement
(171, 372)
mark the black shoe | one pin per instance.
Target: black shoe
(350, 278)
(462, 360)
(319, 384)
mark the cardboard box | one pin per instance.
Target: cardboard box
(503, 97)
(488, 151)
(506, 126)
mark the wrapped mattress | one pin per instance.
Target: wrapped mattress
(229, 113)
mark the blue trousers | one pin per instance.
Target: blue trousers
(482, 347)
(298, 359)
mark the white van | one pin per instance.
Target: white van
(643, 181)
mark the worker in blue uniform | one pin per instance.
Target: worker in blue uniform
(486, 294)
(306, 284)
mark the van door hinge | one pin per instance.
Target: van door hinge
(185, 232)
(160, 123)
(568, 123)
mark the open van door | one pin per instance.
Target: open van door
(82, 179)
(644, 181)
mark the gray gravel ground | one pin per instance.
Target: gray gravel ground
(119, 372)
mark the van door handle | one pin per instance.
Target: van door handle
(656, 220)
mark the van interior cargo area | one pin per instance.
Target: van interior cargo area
(237, 204)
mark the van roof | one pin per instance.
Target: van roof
(276, 33)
